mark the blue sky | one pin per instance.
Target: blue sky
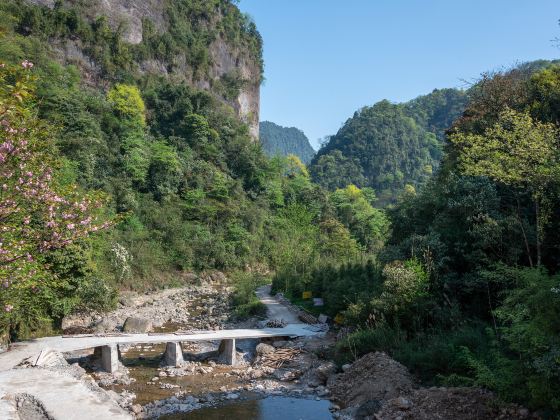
(325, 59)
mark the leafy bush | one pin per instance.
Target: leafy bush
(245, 301)
(366, 340)
(529, 318)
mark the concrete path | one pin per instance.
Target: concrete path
(63, 396)
(275, 309)
(25, 349)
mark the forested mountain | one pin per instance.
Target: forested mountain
(284, 141)
(389, 146)
(128, 160)
(152, 119)
(143, 113)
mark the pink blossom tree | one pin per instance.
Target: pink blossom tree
(37, 213)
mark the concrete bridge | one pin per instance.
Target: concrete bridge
(106, 346)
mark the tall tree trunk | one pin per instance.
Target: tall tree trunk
(538, 224)
(527, 247)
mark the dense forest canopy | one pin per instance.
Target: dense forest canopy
(184, 184)
(115, 178)
(388, 146)
(465, 289)
(284, 141)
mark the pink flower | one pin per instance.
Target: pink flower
(27, 64)
(8, 308)
(70, 226)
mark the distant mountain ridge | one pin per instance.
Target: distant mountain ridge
(283, 141)
(388, 146)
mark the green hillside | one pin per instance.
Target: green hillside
(389, 146)
(284, 141)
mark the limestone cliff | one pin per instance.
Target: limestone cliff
(227, 58)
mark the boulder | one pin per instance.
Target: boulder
(76, 320)
(263, 348)
(402, 403)
(103, 326)
(324, 371)
(126, 300)
(137, 325)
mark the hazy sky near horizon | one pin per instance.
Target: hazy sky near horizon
(325, 59)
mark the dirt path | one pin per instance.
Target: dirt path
(276, 310)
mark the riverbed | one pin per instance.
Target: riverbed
(202, 387)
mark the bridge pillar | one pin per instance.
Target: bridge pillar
(226, 352)
(109, 358)
(173, 355)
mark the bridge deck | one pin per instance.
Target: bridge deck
(25, 349)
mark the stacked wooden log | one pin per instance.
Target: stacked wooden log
(307, 317)
(278, 358)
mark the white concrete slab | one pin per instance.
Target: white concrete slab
(22, 350)
(63, 396)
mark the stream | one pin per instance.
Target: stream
(269, 408)
(210, 390)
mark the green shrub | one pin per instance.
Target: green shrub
(438, 356)
(252, 309)
(244, 300)
(363, 341)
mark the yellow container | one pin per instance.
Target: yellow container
(307, 295)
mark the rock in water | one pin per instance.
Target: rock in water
(137, 325)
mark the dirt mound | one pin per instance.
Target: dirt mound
(449, 403)
(374, 377)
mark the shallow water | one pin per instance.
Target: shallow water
(143, 363)
(271, 408)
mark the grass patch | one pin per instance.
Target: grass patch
(244, 301)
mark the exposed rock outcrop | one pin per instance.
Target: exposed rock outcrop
(129, 16)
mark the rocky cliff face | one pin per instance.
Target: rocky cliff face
(129, 18)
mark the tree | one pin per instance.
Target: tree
(38, 214)
(127, 102)
(129, 107)
(516, 151)
(295, 167)
(354, 209)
